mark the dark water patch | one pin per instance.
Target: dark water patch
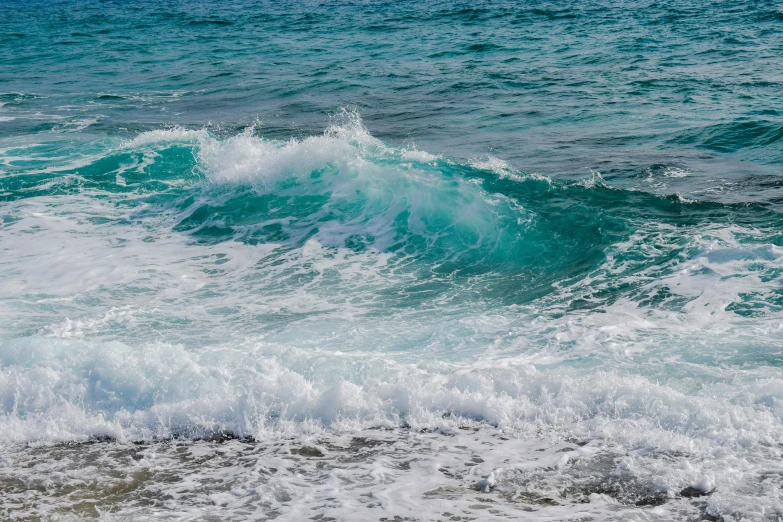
(483, 47)
(210, 22)
(734, 136)
(469, 14)
(553, 14)
(693, 492)
(308, 451)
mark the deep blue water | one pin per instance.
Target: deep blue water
(552, 222)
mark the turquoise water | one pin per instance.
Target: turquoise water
(542, 239)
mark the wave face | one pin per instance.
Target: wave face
(547, 285)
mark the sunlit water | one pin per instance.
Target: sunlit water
(428, 261)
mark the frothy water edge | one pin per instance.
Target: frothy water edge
(331, 366)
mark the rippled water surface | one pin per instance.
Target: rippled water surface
(359, 261)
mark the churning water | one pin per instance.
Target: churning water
(358, 261)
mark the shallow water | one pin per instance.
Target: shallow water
(427, 261)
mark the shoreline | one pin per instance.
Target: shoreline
(376, 474)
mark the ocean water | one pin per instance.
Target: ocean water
(391, 261)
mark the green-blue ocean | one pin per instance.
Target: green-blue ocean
(363, 260)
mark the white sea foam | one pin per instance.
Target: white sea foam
(661, 440)
(494, 164)
(334, 375)
(176, 134)
(674, 172)
(418, 155)
(115, 325)
(78, 124)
